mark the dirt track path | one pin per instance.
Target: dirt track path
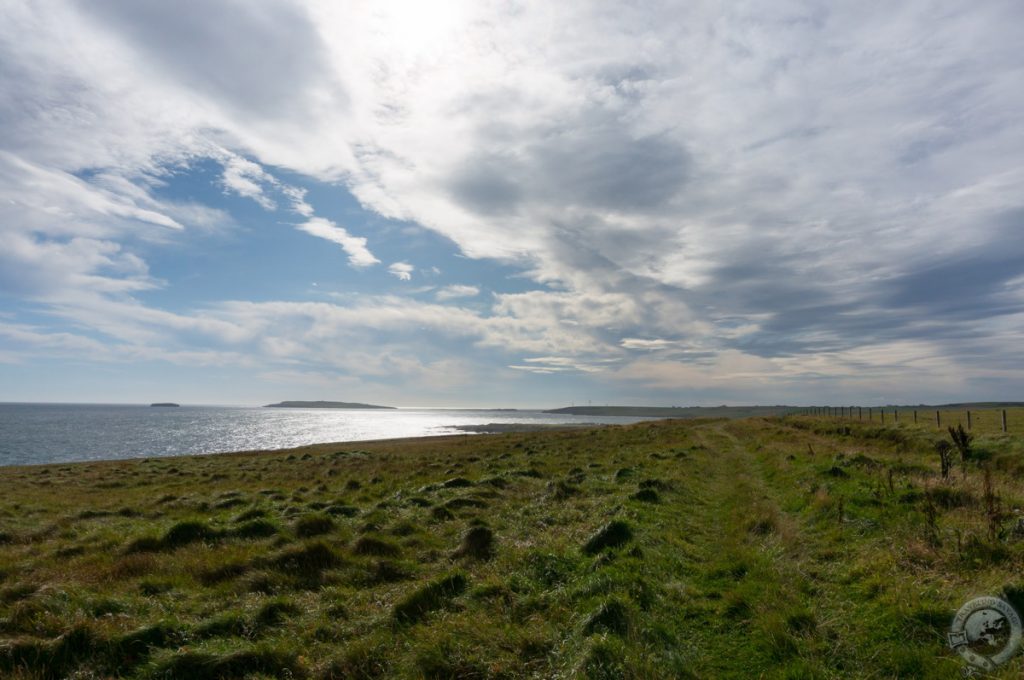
(776, 574)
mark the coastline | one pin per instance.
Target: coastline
(37, 434)
(468, 431)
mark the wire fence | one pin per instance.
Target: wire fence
(977, 420)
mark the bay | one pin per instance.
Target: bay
(57, 433)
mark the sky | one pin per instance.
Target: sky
(511, 204)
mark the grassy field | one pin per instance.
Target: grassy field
(771, 547)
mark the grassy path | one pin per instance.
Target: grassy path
(760, 548)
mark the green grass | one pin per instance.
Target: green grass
(985, 420)
(790, 547)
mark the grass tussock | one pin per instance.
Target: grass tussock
(368, 545)
(478, 543)
(257, 661)
(612, 535)
(415, 606)
(314, 525)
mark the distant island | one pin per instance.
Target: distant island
(164, 403)
(325, 404)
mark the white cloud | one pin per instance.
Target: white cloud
(544, 365)
(246, 178)
(297, 196)
(456, 291)
(401, 270)
(355, 246)
(701, 173)
(645, 344)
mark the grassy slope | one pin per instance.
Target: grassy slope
(750, 548)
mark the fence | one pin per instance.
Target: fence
(979, 420)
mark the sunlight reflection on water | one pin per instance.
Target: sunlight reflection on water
(48, 433)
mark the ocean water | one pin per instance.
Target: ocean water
(57, 433)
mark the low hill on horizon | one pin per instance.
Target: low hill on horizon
(678, 411)
(753, 411)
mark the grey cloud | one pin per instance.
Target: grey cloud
(966, 285)
(796, 134)
(258, 57)
(607, 168)
(594, 163)
(487, 186)
(942, 299)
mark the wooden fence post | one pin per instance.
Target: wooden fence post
(915, 416)
(896, 415)
(938, 420)
(881, 413)
(1004, 420)
(968, 420)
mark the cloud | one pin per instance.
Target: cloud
(258, 61)
(548, 365)
(40, 198)
(737, 185)
(355, 246)
(245, 178)
(649, 345)
(297, 196)
(401, 270)
(456, 291)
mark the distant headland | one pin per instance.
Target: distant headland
(677, 411)
(164, 403)
(324, 404)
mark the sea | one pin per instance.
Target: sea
(57, 433)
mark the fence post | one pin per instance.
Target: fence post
(915, 416)
(896, 415)
(881, 413)
(938, 420)
(968, 420)
(869, 413)
(1004, 420)
(860, 413)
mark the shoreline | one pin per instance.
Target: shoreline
(318, 448)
